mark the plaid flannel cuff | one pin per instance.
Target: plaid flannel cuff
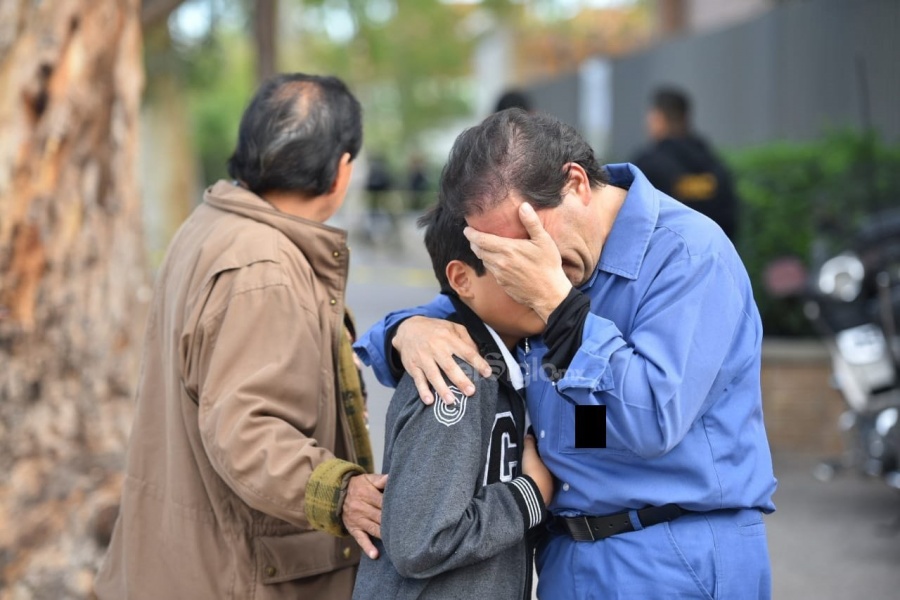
(325, 494)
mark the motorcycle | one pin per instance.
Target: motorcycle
(853, 301)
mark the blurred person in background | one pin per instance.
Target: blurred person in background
(683, 165)
(417, 182)
(644, 388)
(249, 458)
(381, 196)
(513, 98)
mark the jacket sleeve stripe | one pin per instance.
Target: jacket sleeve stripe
(529, 499)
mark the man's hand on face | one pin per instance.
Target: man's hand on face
(362, 510)
(427, 347)
(530, 270)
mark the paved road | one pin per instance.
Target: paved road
(833, 541)
(828, 541)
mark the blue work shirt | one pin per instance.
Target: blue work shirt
(671, 347)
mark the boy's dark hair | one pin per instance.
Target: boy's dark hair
(514, 152)
(293, 134)
(674, 106)
(445, 242)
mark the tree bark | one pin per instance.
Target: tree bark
(73, 284)
(265, 32)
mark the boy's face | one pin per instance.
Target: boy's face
(511, 320)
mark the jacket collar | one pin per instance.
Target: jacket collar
(624, 250)
(323, 246)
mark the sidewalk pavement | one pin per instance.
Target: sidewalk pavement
(833, 541)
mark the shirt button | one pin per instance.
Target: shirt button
(542, 434)
(565, 487)
(332, 302)
(335, 254)
(346, 552)
(271, 571)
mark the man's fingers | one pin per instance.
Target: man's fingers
(456, 376)
(422, 385)
(482, 242)
(379, 480)
(468, 351)
(362, 510)
(362, 538)
(530, 220)
(436, 379)
(477, 361)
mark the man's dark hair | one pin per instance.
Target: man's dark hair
(514, 152)
(513, 99)
(674, 106)
(293, 134)
(445, 242)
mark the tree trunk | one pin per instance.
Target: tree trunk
(265, 32)
(73, 284)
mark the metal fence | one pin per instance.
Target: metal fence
(790, 74)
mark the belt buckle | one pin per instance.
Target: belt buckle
(580, 529)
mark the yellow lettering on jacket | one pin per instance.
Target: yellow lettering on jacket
(697, 187)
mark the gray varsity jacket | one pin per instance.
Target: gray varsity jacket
(456, 506)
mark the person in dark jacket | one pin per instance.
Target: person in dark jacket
(466, 486)
(683, 165)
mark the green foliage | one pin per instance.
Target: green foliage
(217, 105)
(406, 60)
(806, 200)
(214, 75)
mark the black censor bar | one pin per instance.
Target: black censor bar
(590, 426)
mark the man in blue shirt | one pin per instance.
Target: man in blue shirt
(644, 390)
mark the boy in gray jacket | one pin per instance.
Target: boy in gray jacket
(465, 484)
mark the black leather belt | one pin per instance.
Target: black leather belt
(589, 529)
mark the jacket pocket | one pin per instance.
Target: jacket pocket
(304, 554)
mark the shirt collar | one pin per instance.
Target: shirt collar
(512, 365)
(627, 242)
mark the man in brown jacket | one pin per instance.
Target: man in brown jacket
(249, 458)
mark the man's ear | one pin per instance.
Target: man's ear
(459, 274)
(578, 182)
(342, 177)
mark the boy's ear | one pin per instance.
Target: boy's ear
(460, 277)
